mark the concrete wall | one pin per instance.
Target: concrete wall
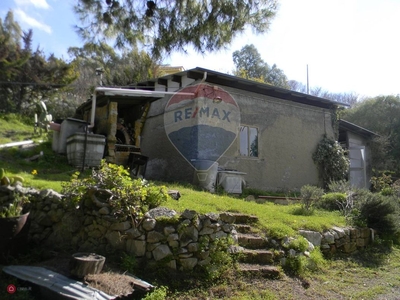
(288, 135)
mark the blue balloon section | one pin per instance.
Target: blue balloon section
(203, 126)
(214, 142)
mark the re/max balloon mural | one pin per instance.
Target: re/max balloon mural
(203, 126)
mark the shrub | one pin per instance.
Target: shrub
(380, 213)
(221, 260)
(332, 201)
(381, 182)
(113, 187)
(309, 196)
(339, 186)
(295, 265)
(332, 161)
(159, 293)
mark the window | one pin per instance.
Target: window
(248, 141)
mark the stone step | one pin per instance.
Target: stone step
(238, 218)
(251, 241)
(243, 228)
(259, 270)
(261, 257)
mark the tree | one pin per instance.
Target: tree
(349, 98)
(166, 25)
(250, 65)
(119, 68)
(25, 76)
(381, 115)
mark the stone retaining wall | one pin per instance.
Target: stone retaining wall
(336, 239)
(182, 242)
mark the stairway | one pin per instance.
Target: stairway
(254, 256)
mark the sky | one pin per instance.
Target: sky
(349, 46)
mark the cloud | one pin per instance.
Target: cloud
(23, 17)
(37, 3)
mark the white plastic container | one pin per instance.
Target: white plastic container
(231, 181)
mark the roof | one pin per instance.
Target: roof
(144, 91)
(244, 84)
(347, 126)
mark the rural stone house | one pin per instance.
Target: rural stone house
(203, 126)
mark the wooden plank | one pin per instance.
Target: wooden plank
(15, 144)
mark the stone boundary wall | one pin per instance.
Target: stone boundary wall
(181, 243)
(336, 239)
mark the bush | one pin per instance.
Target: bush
(309, 196)
(113, 187)
(331, 201)
(380, 213)
(332, 161)
(339, 186)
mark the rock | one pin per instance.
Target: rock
(292, 252)
(329, 237)
(188, 234)
(133, 233)
(122, 226)
(161, 212)
(312, 236)
(161, 252)
(227, 218)
(104, 211)
(155, 237)
(138, 248)
(174, 194)
(188, 263)
(173, 237)
(115, 240)
(149, 224)
(168, 230)
(193, 247)
(189, 214)
(206, 231)
(310, 246)
(339, 231)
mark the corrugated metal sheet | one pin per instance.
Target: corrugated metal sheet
(61, 285)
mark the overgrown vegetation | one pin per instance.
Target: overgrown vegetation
(364, 208)
(331, 160)
(112, 186)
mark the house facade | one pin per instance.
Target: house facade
(188, 123)
(266, 132)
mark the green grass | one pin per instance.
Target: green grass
(278, 220)
(369, 274)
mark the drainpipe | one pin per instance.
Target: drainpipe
(202, 80)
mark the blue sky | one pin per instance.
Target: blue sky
(348, 45)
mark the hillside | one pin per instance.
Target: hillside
(373, 273)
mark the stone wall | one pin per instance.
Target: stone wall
(336, 239)
(180, 241)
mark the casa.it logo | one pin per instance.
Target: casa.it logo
(11, 289)
(202, 122)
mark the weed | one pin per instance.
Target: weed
(158, 293)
